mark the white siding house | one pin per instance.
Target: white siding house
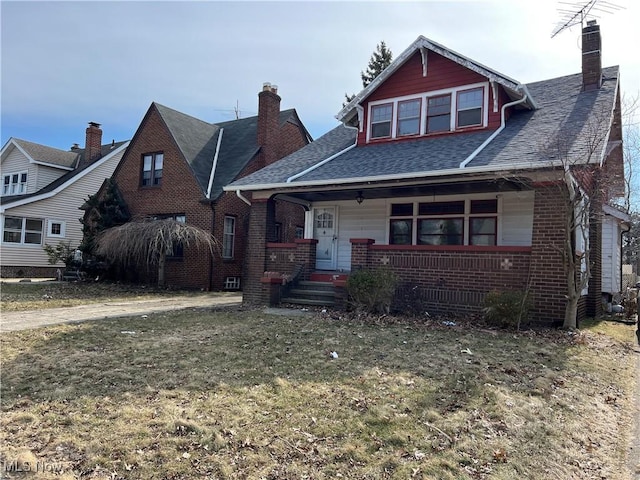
(614, 223)
(47, 210)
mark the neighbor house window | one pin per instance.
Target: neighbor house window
(228, 237)
(381, 120)
(14, 183)
(152, 164)
(299, 232)
(27, 231)
(56, 228)
(408, 117)
(439, 114)
(469, 107)
(461, 222)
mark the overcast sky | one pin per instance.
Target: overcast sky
(67, 63)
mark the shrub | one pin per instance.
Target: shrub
(506, 309)
(60, 253)
(372, 290)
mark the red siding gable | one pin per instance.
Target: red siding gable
(442, 74)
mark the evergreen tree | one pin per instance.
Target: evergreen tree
(380, 59)
(102, 211)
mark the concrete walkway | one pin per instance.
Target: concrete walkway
(23, 320)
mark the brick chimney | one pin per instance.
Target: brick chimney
(591, 56)
(268, 122)
(93, 144)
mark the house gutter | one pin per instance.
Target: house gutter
(215, 164)
(475, 153)
(326, 160)
(242, 197)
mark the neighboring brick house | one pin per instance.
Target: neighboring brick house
(444, 171)
(43, 189)
(176, 166)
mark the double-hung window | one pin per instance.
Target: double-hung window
(483, 222)
(228, 237)
(152, 164)
(439, 114)
(469, 106)
(381, 120)
(14, 183)
(408, 117)
(27, 231)
(401, 224)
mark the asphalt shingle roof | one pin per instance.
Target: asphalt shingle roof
(198, 141)
(564, 111)
(54, 156)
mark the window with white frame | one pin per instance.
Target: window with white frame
(228, 237)
(152, 164)
(21, 230)
(469, 107)
(460, 222)
(56, 228)
(381, 120)
(14, 183)
(434, 112)
(409, 117)
(232, 283)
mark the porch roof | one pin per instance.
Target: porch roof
(565, 113)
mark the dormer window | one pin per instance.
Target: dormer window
(439, 114)
(409, 117)
(14, 183)
(434, 112)
(381, 120)
(470, 107)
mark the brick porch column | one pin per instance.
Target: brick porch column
(306, 256)
(261, 215)
(548, 282)
(360, 252)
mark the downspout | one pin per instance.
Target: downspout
(622, 232)
(215, 164)
(242, 197)
(326, 160)
(475, 153)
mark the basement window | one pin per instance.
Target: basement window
(232, 283)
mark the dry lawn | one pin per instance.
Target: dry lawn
(245, 395)
(37, 295)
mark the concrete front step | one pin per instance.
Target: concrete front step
(312, 293)
(308, 301)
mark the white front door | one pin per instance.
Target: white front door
(325, 230)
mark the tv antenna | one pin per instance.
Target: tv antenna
(574, 13)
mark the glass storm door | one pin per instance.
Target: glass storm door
(325, 231)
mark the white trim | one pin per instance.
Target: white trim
(12, 141)
(63, 186)
(52, 165)
(10, 175)
(215, 163)
(424, 97)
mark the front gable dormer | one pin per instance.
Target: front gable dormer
(430, 90)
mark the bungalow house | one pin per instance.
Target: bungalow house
(176, 166)
(43, 189)
(452, 175)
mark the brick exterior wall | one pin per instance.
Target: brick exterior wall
(178, 194)
(29, 272)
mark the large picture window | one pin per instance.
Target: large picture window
(461, 222)
(26, 231)
(152, 164)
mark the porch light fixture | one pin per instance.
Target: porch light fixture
(359, 198)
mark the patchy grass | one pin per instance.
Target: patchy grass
(37, 295)
(243, 394)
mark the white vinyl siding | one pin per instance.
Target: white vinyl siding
(371, 220)
(16, 162)
(65, 205)
(45, 175)
(611, 255)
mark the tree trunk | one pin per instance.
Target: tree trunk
(571, 312)
(161, 264)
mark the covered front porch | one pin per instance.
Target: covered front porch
(449, 243)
